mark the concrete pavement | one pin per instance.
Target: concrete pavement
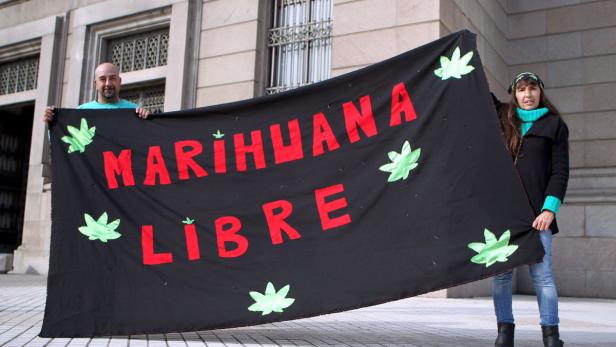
(411, 322)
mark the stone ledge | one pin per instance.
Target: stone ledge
(592, 185)
(591, 196)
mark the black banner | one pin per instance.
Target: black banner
(380, 184)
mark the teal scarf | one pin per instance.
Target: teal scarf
(527, 117)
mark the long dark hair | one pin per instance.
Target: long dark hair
(510, 123)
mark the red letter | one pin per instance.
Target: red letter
(192, 242)
(276, 222)
(156, 166)
(365, 120)
(185, 159)
(220, 157)
(326, 207)
(256, 149)
(321, 133)
(230, 234)
(120, 165)
(291, 152)
(147, 247)
(401, 102)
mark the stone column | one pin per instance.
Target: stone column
(33, 254)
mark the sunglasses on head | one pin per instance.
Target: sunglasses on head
(525, 76)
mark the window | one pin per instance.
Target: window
(19, 75)
(151, 97)
(299, 43)
(138, 52)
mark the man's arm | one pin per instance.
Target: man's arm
(48, 114)
(143, 113)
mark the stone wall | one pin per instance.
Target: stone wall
(369, 31)
(230, 54)
(487, 19)
(29, 11)
(572, 45)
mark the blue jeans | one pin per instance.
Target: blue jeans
(541, 273)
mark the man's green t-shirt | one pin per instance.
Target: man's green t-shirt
(97, 105)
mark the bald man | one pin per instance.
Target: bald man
(107, 82)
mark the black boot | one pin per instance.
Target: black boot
(551, 337)
(505, 335)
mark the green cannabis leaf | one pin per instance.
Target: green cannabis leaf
(99, 229)
(271, 301)
(401, 163)
(80, 137)
(218, 134)
(456, 66)
(188, 221)
(493, 250)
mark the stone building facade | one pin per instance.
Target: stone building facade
(178, 54)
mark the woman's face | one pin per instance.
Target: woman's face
(528, 95)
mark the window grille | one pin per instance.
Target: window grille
(151, 97)
(140, 51)
(300, 43)
(18, 76)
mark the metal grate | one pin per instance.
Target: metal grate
(138, 52)
(151, 97)
(18, 76)
(300, 43)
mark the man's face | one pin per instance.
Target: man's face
(107, 82)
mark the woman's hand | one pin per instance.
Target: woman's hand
(543, 221)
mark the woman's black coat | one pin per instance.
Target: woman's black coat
(543, 161)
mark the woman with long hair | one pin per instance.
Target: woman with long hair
(537, 139)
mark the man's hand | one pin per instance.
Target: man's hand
(48, 114)
(543, 221)
(142, 112)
